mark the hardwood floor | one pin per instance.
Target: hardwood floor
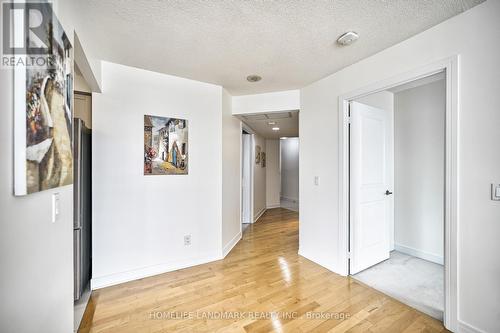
(262, 275)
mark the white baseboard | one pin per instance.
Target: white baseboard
(259, 214)
(290, 199)
(122, 277)
(419, 254)
(229, 246)
(278, 205)
(466, 328)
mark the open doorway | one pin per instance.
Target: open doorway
(374, 170)
(289, 173)
(397, 154)
(269, 164)
(82, 190)
(246, 179)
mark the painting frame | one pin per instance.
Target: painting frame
(43, 113)
(257, 154)
(166, 146)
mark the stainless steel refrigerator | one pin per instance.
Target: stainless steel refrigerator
(82, 190)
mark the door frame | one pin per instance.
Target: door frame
(450, 66)
(251, 133)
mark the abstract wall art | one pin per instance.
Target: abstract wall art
(165, 146)
(43, 114)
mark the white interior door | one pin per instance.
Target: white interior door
(371, 175)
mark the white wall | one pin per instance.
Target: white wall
(259, 180)
(273, 176)
(36, 255)
(419, 170)
(267, 102)
(472, 35)
(290, 169)
(247, 165)
(140, 221)
(80, 84)
(231, 175)
(385, 100)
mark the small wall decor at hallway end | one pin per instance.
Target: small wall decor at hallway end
(257, 154)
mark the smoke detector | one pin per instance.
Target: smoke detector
(348, 38)
(253, 78)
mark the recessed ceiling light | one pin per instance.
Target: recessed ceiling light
(271, 123)
(283, 138)
(276, 128)
(253, 78)
(348, 38)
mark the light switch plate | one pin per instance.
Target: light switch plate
(495, 192)
(55, 207)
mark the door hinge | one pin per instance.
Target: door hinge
(349, 119)
(348, 255)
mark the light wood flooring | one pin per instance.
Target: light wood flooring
(263, 285)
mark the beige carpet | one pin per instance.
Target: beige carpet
(413, 281)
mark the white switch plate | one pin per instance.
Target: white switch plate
(495, 192)
(55, 207)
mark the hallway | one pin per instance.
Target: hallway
(263, 274)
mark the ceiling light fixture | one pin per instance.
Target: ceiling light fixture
(271, 123)
(254, 78)
(348, 38)
(283, 138)
(276, 128)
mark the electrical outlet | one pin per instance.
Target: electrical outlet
(187, 240)
(316, 180)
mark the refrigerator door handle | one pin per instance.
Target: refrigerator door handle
(77, 149)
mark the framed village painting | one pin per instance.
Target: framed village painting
(165, 146)
(43, 99)
(257, 154)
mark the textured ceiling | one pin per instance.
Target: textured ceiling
(290, 43)
(287, 122)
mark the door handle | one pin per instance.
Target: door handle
(388, 192)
